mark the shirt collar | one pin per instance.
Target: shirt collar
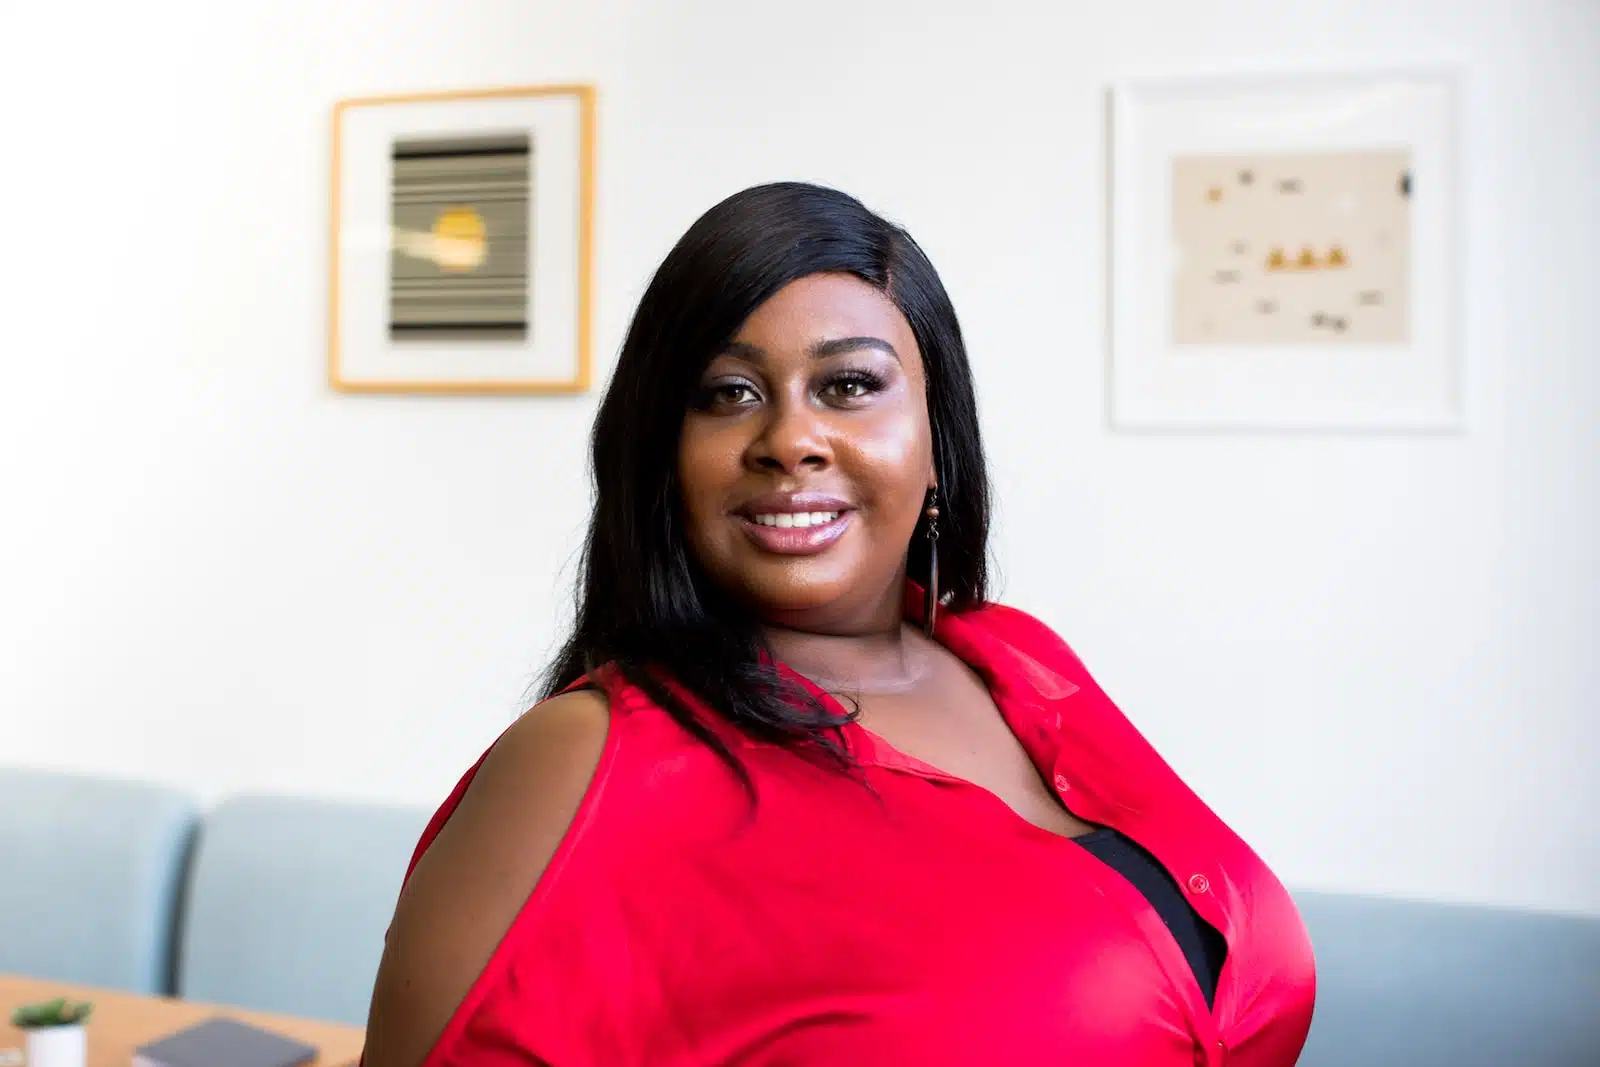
(1028, 692)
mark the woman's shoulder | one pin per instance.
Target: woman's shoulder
(575, 802)
(497, 838)
(557, 759)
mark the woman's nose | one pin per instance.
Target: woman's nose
(793, 437)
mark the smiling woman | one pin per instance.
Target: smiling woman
(798, 792)
(810, 411)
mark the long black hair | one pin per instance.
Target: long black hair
(645, 607)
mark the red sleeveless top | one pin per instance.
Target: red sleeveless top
(922, 922)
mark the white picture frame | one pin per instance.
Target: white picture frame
(407, 313)
(1384, 358)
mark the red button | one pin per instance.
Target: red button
(1062, 783)
(1198, 883)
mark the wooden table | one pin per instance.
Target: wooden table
(123, 1021)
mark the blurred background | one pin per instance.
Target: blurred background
(1375, 656)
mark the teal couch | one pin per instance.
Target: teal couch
(287, 903)
(1413, 984)
(281, 904)
(92, 878)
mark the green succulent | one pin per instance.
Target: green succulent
(57, 1012)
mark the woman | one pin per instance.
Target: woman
(784, 803)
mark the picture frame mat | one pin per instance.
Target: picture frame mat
(1415, 386)
(555, 356)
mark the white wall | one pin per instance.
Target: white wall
(1375, 656)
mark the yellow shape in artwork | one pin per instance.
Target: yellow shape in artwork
(1275, 260)
(1336, 257)
(1307, 260)
(460, 240)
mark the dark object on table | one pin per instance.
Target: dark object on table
(216, 1042)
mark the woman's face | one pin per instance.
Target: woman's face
(806, 457)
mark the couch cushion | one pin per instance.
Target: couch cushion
(288, 902)
(1410, 983)
(93, 870)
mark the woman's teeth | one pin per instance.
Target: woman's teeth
(802, 520)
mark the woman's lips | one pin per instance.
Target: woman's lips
(795, 534)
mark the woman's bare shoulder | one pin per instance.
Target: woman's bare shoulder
(477, 874)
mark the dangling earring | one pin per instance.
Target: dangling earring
(930, 595)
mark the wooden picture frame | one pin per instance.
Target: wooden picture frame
(461, 242)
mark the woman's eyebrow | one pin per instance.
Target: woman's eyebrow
(824, 349)
(821, 350)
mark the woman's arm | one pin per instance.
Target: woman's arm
(478, 872)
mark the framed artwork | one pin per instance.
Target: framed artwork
(1285, 253)
(462, 242)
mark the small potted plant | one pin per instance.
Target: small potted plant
(54, 1032)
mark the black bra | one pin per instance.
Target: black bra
(1202, 945)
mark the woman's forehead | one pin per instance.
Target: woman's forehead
(824, 314)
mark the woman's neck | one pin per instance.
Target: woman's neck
(889, 660)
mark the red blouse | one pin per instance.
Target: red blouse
(922, 922)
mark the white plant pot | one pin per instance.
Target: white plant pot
(57, 1046)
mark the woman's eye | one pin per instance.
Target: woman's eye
(852, 387)
(725, 395)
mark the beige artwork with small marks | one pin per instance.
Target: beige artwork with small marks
(1292, 249)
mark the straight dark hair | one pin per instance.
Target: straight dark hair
(645, 607)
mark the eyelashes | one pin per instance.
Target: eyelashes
(841, 387)
(711, 396)
(723, 397)
(863, 381)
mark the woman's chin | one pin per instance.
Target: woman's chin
(798, 600)
(814, 605)
(793, 591)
